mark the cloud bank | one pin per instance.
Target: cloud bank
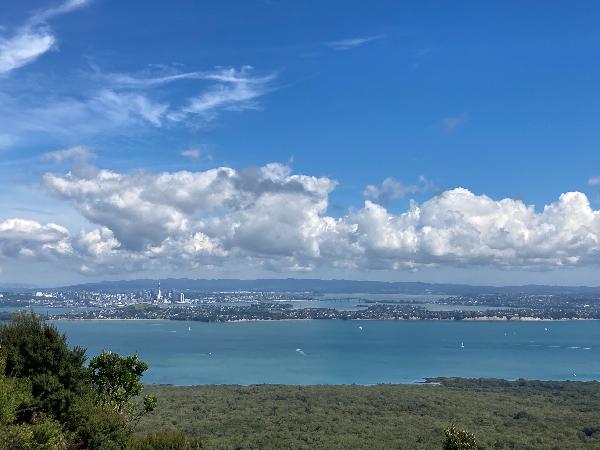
(271, 218)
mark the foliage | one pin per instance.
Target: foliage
(116, 380)
(46, 434)
(558, 415)
(100, 427)
(36, 351)
(49, 399)
(15, 395)
(456, 439)
(165, 440)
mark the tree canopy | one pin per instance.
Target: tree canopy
(38, 352)
(457, 439)
(51, 400)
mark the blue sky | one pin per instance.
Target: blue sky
(499, 99)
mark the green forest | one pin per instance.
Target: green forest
(56, 397)
(500, 414)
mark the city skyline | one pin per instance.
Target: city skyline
(439, 143)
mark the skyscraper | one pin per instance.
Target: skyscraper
(158, 292)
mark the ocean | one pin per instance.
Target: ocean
(346, 352)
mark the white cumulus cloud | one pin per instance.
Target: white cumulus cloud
(460, 228)
(21, 238)
(275, 219)
(393, 189)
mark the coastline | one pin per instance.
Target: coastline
(427, 381)
(469, 319)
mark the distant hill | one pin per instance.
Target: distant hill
(325, 286)
(16, 287)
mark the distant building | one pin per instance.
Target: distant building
(158, 293)
(181, 297)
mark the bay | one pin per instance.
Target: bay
(340, 352)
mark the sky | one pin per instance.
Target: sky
(383, 140)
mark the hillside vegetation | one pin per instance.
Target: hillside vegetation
(520, 414)
(51, 398)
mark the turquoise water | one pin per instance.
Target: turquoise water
(338, 352)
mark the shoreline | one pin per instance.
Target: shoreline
(429, 381)
(474, 319)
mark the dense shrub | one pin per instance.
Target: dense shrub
(36, 351)
(165, 440)
(50, 400)
(456, 439)
(99, 427)
(46, 434)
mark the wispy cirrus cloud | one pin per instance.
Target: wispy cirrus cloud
(34, 38)
(233, 90)
(594, 181)
(38, 107)
(348, 44)
(7, 141)
(27, 116)
(223, 89)
(451, 123)
(118, 103)
(24, 48)
(165, 75)
(63, 8)
(78, 154)
(196, 154)
(123, 106)
(191, 153)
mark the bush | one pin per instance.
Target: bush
(38, 352)
(457, 439)
(99, 427)
(49, 400)
(15, 397)
(164, 440)
(47, 434)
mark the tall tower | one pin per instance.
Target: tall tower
(158, 292)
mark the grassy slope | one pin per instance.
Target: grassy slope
(502, 414)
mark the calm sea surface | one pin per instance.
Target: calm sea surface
(314, 352)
